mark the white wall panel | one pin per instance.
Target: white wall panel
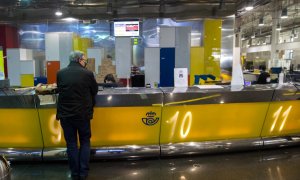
(97, 54)
(258, 49)
(58, 47)
(237, 72)
(288, 46)
(13, 66)
(39, 58)
(65, 48)
(167, 36)
(28, 67)
(182, 51)
(38, 68)
(152, 65)
(123, 56)
(26, 54)
(52, 46)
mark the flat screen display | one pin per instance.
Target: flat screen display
(127, 28)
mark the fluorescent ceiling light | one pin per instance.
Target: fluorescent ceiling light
(249, 8)
(284, 13)
(58, 13)
(261, 22)
(70, 19)
(293, 31)
(231, 16)
(249, 5)
(278, 27)
(243, 37)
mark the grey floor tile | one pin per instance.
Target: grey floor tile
(278, 164)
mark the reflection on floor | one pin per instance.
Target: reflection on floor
(267, 165)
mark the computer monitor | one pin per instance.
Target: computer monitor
(276, 70)
(108, 85)
(138, 80)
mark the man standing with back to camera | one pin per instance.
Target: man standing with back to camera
(77, 88)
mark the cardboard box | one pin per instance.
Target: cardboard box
(91, 64)
(106, 62)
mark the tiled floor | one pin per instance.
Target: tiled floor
(280, 164)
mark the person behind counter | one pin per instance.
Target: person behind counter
(264, 76)
(77, 88)
(109, 81)
(109, 78)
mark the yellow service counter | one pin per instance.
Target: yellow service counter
(140, 122)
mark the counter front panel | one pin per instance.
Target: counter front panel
(20, 128)
(283, 118)
(164, 121)
(196, 123)
(124, 122)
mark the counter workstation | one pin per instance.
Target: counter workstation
(140, 122)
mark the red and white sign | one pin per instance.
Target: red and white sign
(127, 28)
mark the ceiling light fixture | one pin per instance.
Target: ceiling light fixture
(253, 36)
(249, 6)
(70, 19)
(278, 27)
(261, 21)
(162, 8)
(58, 13)
(294, 33)
(109, 8)
(10, 12)
(249, 43)
(243, 37)
(284, 13)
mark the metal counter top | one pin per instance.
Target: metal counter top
(23, 98)
(228, 94)
(127, 97)
(124, 97)
(286, 92)
(130, 90)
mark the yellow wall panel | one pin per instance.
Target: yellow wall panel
(27, 80)
(212, 122)
(212, 46)
(86, 43)
(283, 118)
(20, 128)
(197, 63)
(1, 62)
(77, 45)
(82, 44)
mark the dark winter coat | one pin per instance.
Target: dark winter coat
(77, 88)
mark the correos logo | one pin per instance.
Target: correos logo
(151, 119)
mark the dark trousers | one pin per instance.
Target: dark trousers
(78, 158)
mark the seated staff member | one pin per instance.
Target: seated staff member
(264, 76)
(109, 78)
